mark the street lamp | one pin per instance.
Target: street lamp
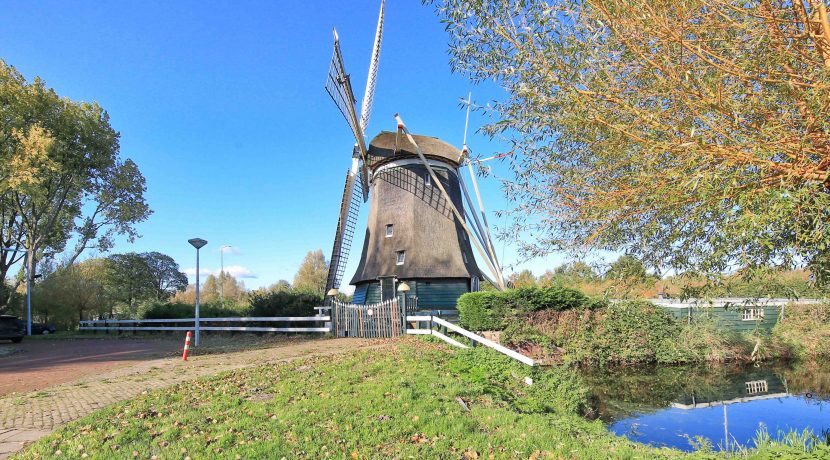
(197, 243)
(29, 279)
(222, 273)
(403, 288)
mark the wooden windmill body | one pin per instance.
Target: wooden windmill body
(417, 231)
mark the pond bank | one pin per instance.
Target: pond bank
(639, 332)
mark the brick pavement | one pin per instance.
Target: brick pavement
(25, 418)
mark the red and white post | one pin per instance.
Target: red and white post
(186, 346)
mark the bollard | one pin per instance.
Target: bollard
(186, 346)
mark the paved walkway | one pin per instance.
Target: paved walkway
(25, 418)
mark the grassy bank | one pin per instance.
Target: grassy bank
(556, 324)
(635, 332)
(414, 399)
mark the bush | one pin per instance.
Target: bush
(491, 310)
(547, 298)
(180, 310)
(283, 303)
(806, 330)
(482, 311)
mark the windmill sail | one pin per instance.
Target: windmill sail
(369, 93)
(349, 208)
(339, 87)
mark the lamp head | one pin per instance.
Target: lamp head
(403, 287)
(332, 292)
(197, 242)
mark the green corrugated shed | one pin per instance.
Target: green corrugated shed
(730, 317)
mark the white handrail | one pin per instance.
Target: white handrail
(473, 336)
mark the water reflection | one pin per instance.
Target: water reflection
(725, 405)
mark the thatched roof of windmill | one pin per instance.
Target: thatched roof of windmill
(388, 146)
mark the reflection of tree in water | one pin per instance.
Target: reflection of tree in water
(811, 378)
(618, 392)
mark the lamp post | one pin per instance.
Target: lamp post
(403, 288)
(29, 279)
(222, 273)
(197, 243)
(331, 294)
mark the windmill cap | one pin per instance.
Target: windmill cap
(388, 146)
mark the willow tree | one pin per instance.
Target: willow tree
(693, 134)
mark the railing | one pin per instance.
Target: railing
(474, 338)
(204, 324)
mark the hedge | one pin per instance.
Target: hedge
(184, 310)
(490, 310)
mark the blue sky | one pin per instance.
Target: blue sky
(222, 105)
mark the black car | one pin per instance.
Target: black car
(38, 328)
(12, 328)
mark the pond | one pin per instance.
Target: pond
(722, 406)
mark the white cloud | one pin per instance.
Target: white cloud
(237, 271)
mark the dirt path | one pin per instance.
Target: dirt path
(25, 418)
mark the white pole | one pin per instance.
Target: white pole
(196, 342)
(222, 274)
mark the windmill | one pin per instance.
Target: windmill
(418, 230)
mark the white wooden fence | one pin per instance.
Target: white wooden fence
(446, 326)
(239, 324)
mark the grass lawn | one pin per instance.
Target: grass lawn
(406, 401)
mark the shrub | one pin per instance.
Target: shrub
(283, 303)
(483, 311)
(547, 298)
(491, 310)
(806, 330)
(177, 310)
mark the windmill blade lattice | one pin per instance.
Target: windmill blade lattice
(339, 87)
(346, 223)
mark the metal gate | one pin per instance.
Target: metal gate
(385, 319)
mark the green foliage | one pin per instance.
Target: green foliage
(699, 148)
(632, 332)
(61, 175)
(806, 330)
(311, 275)
(283, 303)
(482, 311)
(522, 279)
(164, 310)
(627, 267)
(554, 390)
(72, 293)
(490, 310)
(548, 298)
